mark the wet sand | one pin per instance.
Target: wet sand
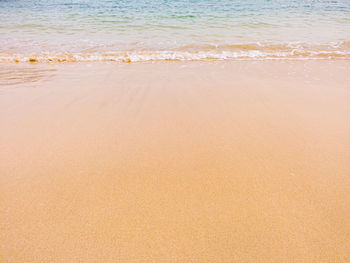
(175, 162)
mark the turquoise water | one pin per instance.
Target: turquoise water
(54, 30)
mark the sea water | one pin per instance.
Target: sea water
(142, 30)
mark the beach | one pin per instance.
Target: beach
(202, 161)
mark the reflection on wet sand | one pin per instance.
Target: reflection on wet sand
(11, 75)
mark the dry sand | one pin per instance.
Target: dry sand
(175, 162)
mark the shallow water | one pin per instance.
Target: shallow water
(65, 30)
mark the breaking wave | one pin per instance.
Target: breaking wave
(194, 53)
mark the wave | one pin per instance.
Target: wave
(193, 52)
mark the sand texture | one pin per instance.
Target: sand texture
(175, 162)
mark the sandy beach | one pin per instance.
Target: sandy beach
(232, 161)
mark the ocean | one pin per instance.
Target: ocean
(152, 30)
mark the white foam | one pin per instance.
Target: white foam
(143, 56)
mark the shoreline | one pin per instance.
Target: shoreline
(188, 52)
(127, 59)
